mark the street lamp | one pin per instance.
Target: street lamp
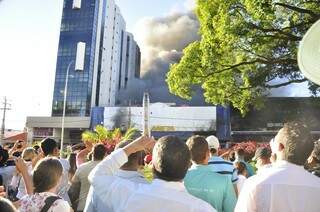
(64, 108)
(79, 66)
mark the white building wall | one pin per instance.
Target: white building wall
(163, 118)
(132, 59)
(124, 60)
(96, 58)
(120, 26)
(107, 55)
(118, 60)
(111, 63)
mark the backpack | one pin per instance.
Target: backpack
(49, 202)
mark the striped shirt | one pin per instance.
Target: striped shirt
(221, 166)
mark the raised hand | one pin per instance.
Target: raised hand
(2, 191)
(142, 143)
(21, 166)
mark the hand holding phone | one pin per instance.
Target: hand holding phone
(2, 192)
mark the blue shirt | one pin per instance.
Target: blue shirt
(211, 187)
(221, 166)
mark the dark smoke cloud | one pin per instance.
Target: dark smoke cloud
(162, 41)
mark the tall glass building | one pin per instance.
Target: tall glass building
(99, 26)
(79, 24)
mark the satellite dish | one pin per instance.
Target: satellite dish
(309, 54)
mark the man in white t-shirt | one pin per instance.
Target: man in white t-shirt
(286, 186)
(49, 148)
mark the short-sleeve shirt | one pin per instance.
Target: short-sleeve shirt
(214, 188)
(81, 176)
(221, 166)
(7, 174)
(64, 186)
(36, 202)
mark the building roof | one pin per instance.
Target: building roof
(12, 136)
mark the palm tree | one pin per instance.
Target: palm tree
(110, 138)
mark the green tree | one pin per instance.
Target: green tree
(245, 46)
(110, 138)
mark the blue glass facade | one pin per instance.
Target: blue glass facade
(77, 25)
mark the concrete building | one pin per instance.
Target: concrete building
(133, 61)
(112, 54)
(163, 117)
(39, 128)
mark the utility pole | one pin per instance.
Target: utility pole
(129, 115)
(6, 106)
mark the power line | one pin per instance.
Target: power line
(6, 106)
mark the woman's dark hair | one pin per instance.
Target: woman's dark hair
(6, 205)
(241, 167)
(73, 164)
(46, 174)
(4, 156)
(170, 159)
(98, 152)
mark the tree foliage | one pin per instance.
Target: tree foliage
(245, 46)
(110, 138)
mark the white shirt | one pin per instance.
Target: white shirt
(112, 190)
(81, 177)
(6, 173)
(163, 196)
(17, 181)
(262, 168)
(284, 187)
(240, 182)
(110, 186)
(64, 186)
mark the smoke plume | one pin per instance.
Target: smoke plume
(162, 41)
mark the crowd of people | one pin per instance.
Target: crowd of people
(187, 176)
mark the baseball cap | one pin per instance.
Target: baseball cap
(262, 152)
(213, 142)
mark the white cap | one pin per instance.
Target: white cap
(213, 142)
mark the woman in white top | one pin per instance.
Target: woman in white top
(46, 178)
(242, 174)
(28, 155)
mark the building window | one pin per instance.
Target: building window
(76, 4)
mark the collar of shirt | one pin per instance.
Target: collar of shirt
(264, 167)
(169, 185)
(286, 164)
(216, 158)
(200, 167)
(127, 174)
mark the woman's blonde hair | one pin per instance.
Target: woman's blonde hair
(28, 154)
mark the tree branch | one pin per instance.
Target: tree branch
(298, 9)
(229, 67)
(280, 31)
(286, 83)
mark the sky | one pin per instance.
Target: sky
(29, 34)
